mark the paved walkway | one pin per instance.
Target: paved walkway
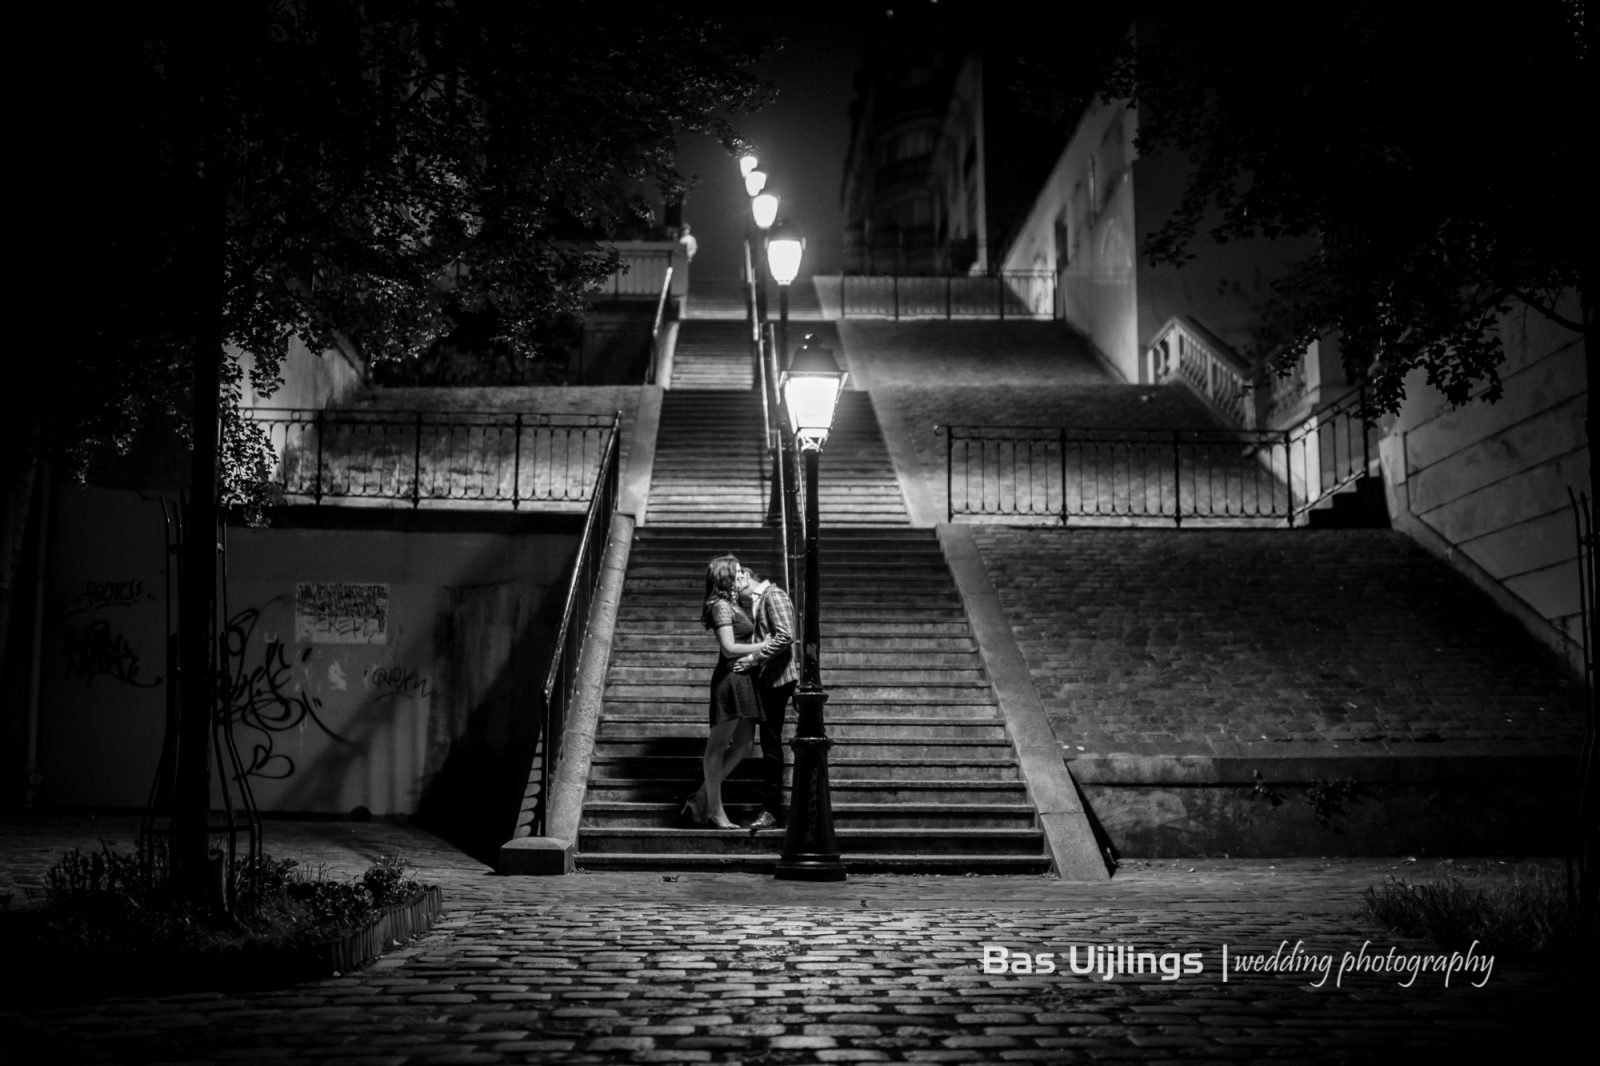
(744, 969)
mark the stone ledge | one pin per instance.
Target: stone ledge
(1418, 768)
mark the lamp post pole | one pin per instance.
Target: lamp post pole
(785, 246)
(810, 852)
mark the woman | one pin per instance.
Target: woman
(735, 708)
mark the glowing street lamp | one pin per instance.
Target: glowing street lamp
(784, 248)
(755, 181)
(747, 163)
(811, 387)
(764, 208)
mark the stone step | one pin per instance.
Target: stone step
(647, 620)
(886, 840)
(843, 731)
(690, 743)
(844, 764)
(856, 864)
(644, 814)
(978, 703)
(741, 789)
(688, 691)
(844, 668)
(693, 643)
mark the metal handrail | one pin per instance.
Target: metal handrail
(1019, 294)
(1167, 475)
(561, 675)
(653, 370)
(472, 457)
(774, 427)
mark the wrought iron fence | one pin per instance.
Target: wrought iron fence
(1005, 295)
(452, 457)
(562, 676)
(1150, 476)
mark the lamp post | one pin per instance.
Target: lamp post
(764, 209)
(784, 248)
(811, 387)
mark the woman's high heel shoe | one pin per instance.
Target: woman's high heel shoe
(692, 812)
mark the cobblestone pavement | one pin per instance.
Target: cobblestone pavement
(736, 968)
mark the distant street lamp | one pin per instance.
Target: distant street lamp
(747, 163)
(764, 207)
(811, 387)
(784, 248)
(755, 181)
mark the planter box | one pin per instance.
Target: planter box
(56, 974)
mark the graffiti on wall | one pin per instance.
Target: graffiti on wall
(95, 649)
(98, 651)
(392, 682)
(341, 612)
(98, 595)
(266, 696)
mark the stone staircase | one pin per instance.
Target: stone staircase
(924, 776)
(713, 354)
(856, 479)
(711, 467)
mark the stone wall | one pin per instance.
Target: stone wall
(381, 669)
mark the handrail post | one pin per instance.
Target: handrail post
(1177, 480)
(948, 281)
(1000, 294)
(894, 288)
(949, 476)
(321, 430)
(416, 464)
(516, 464)
(1063, 477)
(1288, 472)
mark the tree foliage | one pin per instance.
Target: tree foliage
(1434, 161)
(366, 173)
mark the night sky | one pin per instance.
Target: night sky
(801, 140)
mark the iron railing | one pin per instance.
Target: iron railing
(562, 675)
(1156, 476)
(450, 457)
(1019, 294)
(782, 482)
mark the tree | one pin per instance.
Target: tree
(1436, 164)
(366, 173)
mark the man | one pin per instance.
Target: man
(776, 672)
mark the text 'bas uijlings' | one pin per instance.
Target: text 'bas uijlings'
(1094, 960)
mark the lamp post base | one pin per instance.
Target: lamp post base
(809, 851)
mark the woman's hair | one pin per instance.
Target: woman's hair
(722, 578)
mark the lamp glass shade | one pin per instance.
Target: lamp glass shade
(755, 181)
(783, 256)
(811, 387)
(765, 208)
(747, 163)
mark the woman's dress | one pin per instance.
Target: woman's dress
(733, 695)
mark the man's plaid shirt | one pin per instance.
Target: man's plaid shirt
(775, 618)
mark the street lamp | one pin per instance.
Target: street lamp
(764, 207)
(784, 247)
(747, 163)
(755, 181)
(811, 387)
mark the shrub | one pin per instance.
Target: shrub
(117, 910)
(1523, 915)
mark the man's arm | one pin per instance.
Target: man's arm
(778, 609)
(780, 615)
